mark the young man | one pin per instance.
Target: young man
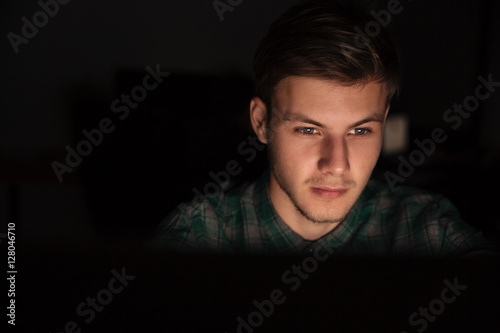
(322, 97)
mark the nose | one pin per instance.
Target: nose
(334, 159)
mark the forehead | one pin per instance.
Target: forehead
(320, 97)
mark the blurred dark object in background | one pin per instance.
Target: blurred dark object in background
(189, 126)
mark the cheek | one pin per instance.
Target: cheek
(365, 154)
(294, 154)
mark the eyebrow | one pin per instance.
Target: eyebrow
(289, 116)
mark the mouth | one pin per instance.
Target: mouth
(329, 192)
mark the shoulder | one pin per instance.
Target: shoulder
(406, 209)
(205, 223)
(378, 189)
(409, 200)
(422, 222)
(220, 207)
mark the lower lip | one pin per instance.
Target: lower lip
(328, 194)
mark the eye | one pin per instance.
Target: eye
(360, 131)
(307, 130)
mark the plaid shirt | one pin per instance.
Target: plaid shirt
(406, 222)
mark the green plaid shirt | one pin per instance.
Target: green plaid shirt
(406, 222)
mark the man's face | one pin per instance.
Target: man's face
(324, 140)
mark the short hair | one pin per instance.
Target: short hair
(321, 39)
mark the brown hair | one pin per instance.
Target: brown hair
(321, 39)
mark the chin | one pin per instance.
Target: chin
(324, 218)
(325, 212)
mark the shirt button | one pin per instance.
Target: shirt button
(310, 250)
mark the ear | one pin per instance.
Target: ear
(386, 112)
(258, 118)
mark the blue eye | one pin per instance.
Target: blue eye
(360, 131)
(307, 130)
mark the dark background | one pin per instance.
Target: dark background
(65, 79)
